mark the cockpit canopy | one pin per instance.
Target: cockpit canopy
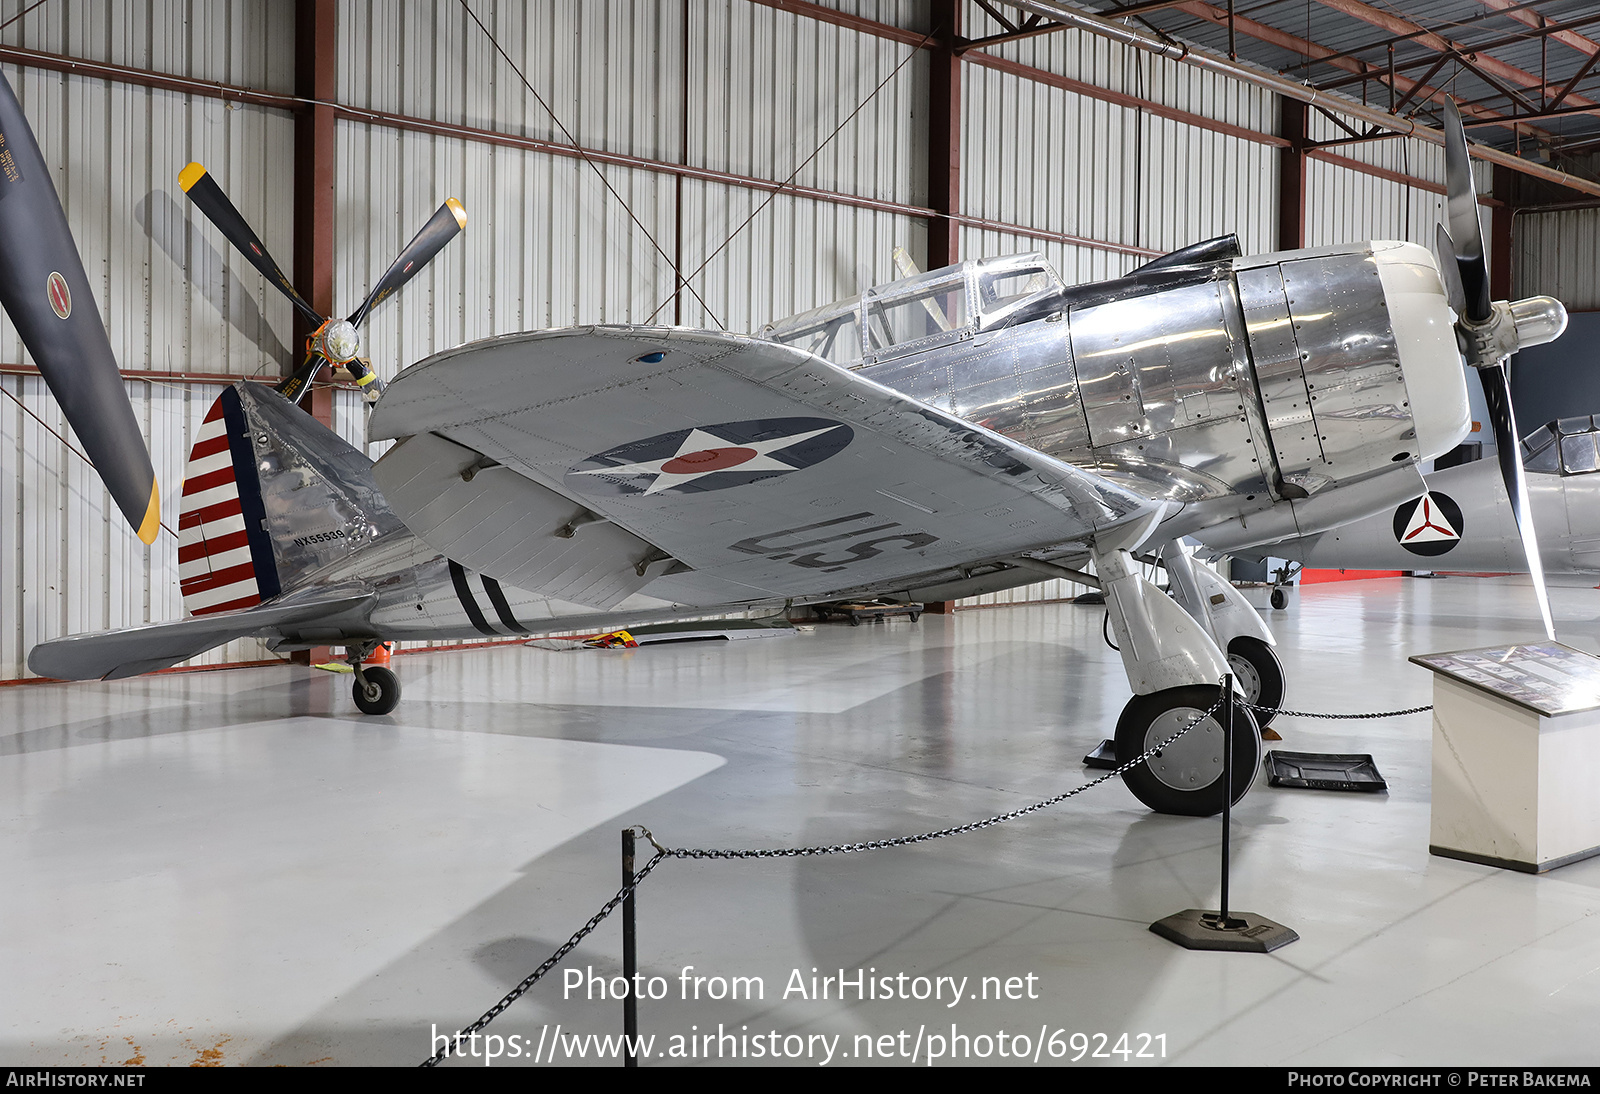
(918, 313)
(1567, 446)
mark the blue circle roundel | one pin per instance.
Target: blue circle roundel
(711, 457)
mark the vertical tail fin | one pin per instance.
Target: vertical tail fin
(272, 499)
(225, 558)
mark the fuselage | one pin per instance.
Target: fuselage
(1464, 521)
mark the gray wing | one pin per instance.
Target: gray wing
(756, 468)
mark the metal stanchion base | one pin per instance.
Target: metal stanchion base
(1244, 932)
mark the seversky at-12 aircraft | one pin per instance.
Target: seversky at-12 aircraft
(965, 430)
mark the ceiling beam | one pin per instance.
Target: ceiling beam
(1295, 44)
(1286, 87)
(1587, 46)
(1490, 68)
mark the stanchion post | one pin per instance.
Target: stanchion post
(1246, 932)
(630, 956)
(1227, 799)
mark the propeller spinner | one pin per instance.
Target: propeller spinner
(1490, 331)
(334, 342)
(46, 293)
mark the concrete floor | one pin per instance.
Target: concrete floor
(236, 867)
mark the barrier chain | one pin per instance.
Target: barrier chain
(662, 853)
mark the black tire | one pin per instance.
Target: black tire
(1280, 599)
(381, 693)
(1186, 779)
(915, 616)
(1260, 676)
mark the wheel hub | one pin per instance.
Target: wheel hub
(1249, 679)
(1193, 761)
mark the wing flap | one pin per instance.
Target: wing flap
(499, 523)
(743, 459)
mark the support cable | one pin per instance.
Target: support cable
(594, 166)
(65, 443)
(793, 174)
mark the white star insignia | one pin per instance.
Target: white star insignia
(701, 454)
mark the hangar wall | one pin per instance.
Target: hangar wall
(171, 301)
(1558, 253)
(692, 102)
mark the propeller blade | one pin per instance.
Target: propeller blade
(1449, 272)
(1461, 204)
(1508, 447)
(441, 228)
(204, 192)
(46, 293)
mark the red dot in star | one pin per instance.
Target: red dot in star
(708, 459)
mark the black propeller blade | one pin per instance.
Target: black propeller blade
(46, 293)
(1468, 286)
(204, 192)
(1508, 448)
(441, 228)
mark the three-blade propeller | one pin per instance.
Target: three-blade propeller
(46, 293)
(1490, 332)
(333, 341)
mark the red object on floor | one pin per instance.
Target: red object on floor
(1313, 577)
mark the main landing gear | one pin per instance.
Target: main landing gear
(1282, 578)
(1176, 650)
(1185, 778)
(376, 689)
(1260, 676)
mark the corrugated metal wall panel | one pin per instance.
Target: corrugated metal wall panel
(607, 68)
(770, 89)
(795, 254)
(249, 43)
(1099, 61)
(174, 298)
(1044, 158)
(1344, 204)
(174, 295)
(1558, 254)
(1057, 161)
(78, 567)
(1054, 590)
(545, 244)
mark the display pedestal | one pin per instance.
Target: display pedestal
(1516, 757)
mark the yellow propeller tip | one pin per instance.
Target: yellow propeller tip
(459, 210)
(151, 525)
(190, 175)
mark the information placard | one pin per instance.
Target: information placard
(1547, 677)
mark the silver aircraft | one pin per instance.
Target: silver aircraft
(1464, 521)
(965, 430)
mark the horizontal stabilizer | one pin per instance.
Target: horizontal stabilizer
(112, 655)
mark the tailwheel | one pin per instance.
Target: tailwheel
(1185, 778)
(1260, 676)
(376, 690)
